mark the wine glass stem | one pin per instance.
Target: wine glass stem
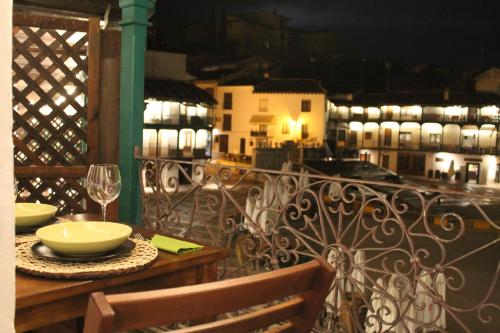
(103, 206)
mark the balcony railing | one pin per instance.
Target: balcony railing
(410, 117)
(432, 117)
(450, 148)
(430, 146)
(409, 145)
(455, 119)
(357, 116)
(258, 133)
(182, 120)
(406, 257)
(364, 117)
(489, 119)
(338, 116)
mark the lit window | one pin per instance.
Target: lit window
(435, 138)
(405, 137)
(153, 112)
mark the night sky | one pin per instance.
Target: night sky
(453, 32)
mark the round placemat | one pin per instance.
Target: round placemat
(25, 238)
(139, 258)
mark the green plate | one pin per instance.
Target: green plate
(84, 238)
(31, 214)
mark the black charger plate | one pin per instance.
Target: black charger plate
(33, 228)
(44, 251)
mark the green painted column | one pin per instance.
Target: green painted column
(133, 47)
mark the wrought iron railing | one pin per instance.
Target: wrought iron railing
(407, 258)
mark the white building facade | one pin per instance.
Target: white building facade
(267, 115)
(436, 135)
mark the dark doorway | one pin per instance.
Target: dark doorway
(497, 174)
(410, 164)
(385, 161)
(242, 146)
(387, 137)
(223, 143)
(354, 138)
(472, 173)
(305, 131)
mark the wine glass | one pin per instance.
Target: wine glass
(103, 184)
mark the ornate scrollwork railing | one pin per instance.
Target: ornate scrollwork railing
(408, 258)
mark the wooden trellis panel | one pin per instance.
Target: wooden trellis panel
(55, 89)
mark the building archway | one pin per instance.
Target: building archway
(432, 136)
(409, 136)
(469, 138)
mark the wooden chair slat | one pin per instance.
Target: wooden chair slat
(208, 300)
(307, 285)
(250, 321)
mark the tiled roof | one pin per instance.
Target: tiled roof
(420, 98)
(171, 90)
(285, 86)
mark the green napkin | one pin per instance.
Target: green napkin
(174, 245)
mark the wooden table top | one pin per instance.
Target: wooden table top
(33, 290)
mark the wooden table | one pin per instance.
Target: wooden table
(41, 302)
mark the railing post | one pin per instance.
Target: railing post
(133, 47)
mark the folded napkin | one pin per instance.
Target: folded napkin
(174, 245)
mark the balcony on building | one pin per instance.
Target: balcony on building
(262, 126)
(258, 133)
(489, 114)
(178, 120)
(177, 103)
(464, 122)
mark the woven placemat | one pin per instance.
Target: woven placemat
(142, 256)
(25, 238)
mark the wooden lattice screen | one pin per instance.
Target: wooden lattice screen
(55, 72)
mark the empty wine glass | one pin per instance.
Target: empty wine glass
(103, 184)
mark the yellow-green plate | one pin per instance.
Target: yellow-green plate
(30, 214)
(84, 238)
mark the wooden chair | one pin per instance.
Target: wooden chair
(306, 284)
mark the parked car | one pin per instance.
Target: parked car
(356, 169)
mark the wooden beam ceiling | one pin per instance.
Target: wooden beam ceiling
(83, 8)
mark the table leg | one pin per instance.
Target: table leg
(206, 273)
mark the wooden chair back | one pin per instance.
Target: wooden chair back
(303, 286)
